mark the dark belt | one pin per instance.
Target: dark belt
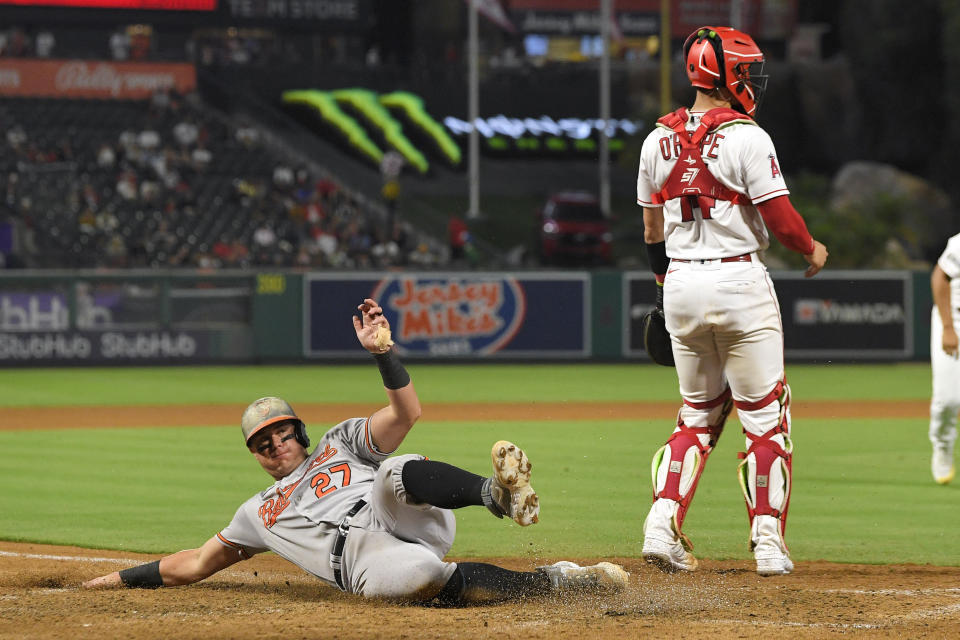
(744, 258)
(336, 556)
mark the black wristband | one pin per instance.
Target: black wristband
(657, 255)
(393, 374)
(146, 576)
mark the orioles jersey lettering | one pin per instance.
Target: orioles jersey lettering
(271, 508)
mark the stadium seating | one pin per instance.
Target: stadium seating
(170, 181)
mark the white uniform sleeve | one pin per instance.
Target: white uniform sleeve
(242, 534)
(950, 258)
(646, 181)
(761, 168)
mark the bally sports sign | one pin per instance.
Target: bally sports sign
(92, 79)
(454, 315)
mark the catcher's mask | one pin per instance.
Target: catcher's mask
(722, 57)
(269, 411)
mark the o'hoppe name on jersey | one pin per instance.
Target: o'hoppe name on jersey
(450, 315)
(819, 311)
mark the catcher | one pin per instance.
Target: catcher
(711, 189)
(364, 522)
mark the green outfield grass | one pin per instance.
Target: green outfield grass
(862, 487)
(435, 383)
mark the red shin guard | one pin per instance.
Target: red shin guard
(680, 484)
(767, 453)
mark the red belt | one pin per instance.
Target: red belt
(743, 258)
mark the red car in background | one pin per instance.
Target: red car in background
(573, 230)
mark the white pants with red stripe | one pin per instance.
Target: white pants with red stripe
(724, 319)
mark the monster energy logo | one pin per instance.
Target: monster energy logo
(357, 113)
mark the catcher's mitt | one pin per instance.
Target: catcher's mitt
(656, 338)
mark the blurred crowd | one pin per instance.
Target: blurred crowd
(18, 42)
(169, 182)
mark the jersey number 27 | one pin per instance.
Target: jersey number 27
(321, 482)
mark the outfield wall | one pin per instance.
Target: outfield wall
(80, 317)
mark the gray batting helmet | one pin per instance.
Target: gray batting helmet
(268, 411)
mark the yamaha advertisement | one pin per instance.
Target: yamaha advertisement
(857, 315)
(452, 315)
(854, 314)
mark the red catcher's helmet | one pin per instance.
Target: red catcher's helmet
(718, 57)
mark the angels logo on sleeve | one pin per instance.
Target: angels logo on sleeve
(774, 169)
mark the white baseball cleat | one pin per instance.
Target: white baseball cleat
(510, 487)
(567, 576)
(669, 557)
(942, 464)
(775, 565)
(769, 549)
(662, 546)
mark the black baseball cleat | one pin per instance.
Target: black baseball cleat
(508, 492)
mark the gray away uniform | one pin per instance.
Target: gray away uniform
(395, 547)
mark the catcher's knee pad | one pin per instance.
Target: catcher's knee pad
(677, 465)
(757, 416)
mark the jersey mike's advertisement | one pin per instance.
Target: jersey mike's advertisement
(855, 315)
(453, 315)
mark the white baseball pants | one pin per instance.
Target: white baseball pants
(945, 399)
(724, 319)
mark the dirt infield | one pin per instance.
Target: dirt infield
(269, 598)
